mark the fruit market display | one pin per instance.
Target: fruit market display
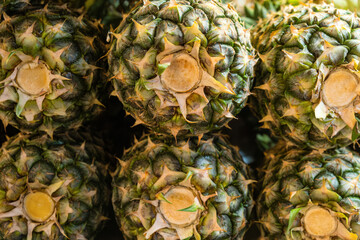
(183, 70)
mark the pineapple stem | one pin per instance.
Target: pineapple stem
(34, 78)
(340, 88)
(183, 73)
(319, 222)
(180, 198)
(39, 206)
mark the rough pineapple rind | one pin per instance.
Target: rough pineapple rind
(294, 180)
(69, 167)
(208, 31)
(152, 165)
(252, 11)
(69, 46)
(110, 12)
(299, 48)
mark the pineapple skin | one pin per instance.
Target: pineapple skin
(225, 54)
(110, 12)
(294, 179)
(252, 11)
(299, 48)
(153, 164)
(70, 47)
(37, 163)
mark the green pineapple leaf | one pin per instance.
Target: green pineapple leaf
(162, 67)
(192, 208)
(293, 213)
(161, 197)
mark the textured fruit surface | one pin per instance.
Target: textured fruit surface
(195, 189)
(181, 66)
(252, 11)
(310, 194)
(110, 12)
(50, 76)
(52, 189)
(308, 77)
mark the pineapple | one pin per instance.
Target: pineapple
(252, 11)
(192, 189)
(50, 75)
(181, 67)
(310, 194)
(52, 189)
(308, 77)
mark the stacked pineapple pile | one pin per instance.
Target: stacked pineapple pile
(306, 89)
(53, 181)
(183, 69)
